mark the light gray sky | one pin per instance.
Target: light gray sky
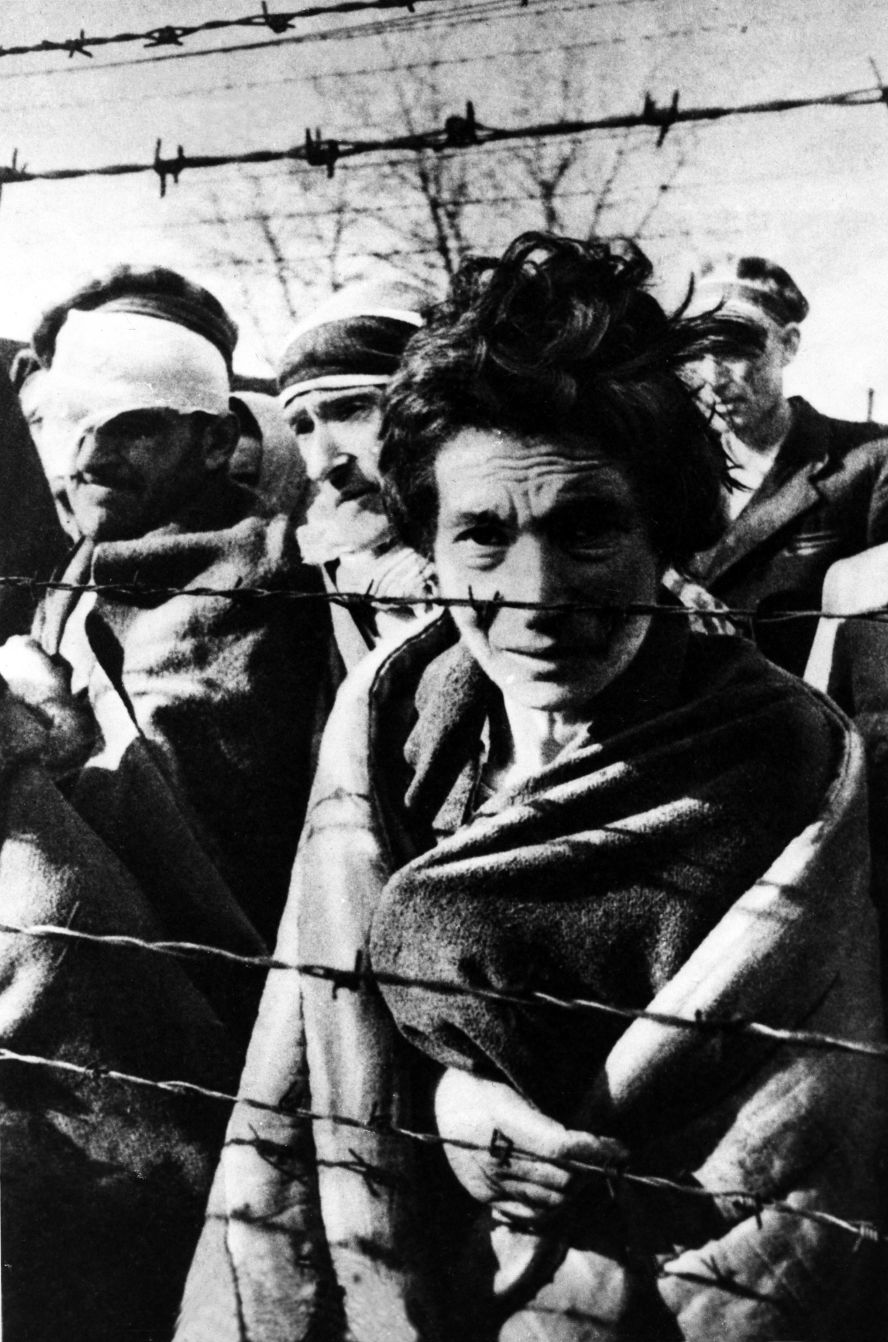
(808, 188)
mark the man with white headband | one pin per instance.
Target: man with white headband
(181, 634)
(332, 375)
(136, 420)
(807, 489)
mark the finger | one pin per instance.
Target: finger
(522, 1174)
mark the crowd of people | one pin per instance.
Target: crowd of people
(463, 725)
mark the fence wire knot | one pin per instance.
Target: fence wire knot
(460, 132)
(13, 171)
(278, 23)
(502, 1148)
(321, 153)
(380, 1120)
(664, 117)
(166, 36)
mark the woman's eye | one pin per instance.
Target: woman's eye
(485, 534)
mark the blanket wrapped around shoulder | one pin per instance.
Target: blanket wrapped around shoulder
(705, 853)
(227, 691)
(103, 1181)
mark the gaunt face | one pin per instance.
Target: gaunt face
(547, 521)
(749, 387)
(337, 433)
(134, 471)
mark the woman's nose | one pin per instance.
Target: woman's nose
(537, 575)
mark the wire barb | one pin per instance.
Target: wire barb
(664, 117)
(76, 46)
(460, 132)
(321, 153)
(13, 172)
(168, 167)
(278, 23)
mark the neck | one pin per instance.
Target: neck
(525, 740)
(768, 433)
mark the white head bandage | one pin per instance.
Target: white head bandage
(106, 363)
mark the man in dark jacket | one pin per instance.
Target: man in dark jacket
(808, 489)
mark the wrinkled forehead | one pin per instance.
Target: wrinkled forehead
(486, 470)
(322, 401)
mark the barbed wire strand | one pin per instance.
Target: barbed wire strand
(501, 1148)
(247, 87)
(172, 34)
(877, 614)
(461, 132)
(360, 977)
(462, 15)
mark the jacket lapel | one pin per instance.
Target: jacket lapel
(792, 487)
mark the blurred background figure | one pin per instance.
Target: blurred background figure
(332, 375)
(807, 489)
(31, 541)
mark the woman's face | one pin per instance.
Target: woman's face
(548, 521)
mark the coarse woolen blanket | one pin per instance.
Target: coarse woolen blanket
(103, 1182)
(226, 691)
(705, 851)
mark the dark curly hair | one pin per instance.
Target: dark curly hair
(560, 338)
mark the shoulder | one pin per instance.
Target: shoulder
(254, 552)
(840, 435)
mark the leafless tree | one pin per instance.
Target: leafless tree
(421, 212)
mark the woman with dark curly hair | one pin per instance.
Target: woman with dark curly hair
(557, 792)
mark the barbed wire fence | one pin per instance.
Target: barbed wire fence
(362, 978)
(481, 605)
(461, 131)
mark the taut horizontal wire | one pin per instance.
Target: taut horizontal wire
(171, 34)
(877, 615)
(503, 1149)
(459, 132)
(359, 977)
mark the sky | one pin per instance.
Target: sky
(807, 188)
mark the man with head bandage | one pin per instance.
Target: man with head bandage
(807, 489)
(135, 433)
(167, 717)
(332, 375)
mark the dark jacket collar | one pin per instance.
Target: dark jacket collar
(792, 486)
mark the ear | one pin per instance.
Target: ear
(790, 338)
(219, 440)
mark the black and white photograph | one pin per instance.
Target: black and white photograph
(443, 671)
